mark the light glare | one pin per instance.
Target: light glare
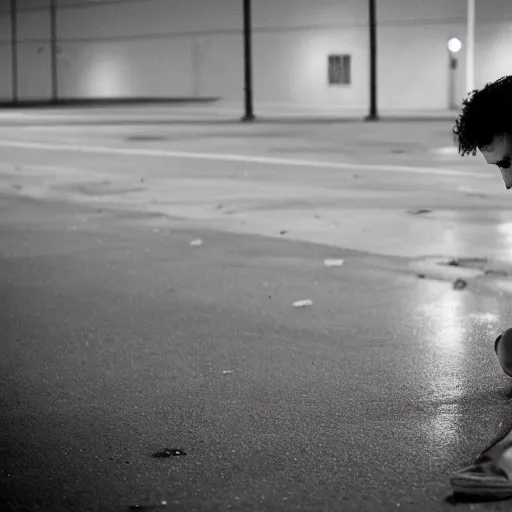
(454, 45)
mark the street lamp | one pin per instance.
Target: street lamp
(454, 45)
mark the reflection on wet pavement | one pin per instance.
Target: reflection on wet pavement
(450, 365)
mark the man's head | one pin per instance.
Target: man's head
(485, 124)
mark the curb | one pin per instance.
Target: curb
(106, 102)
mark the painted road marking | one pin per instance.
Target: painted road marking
(237, 158)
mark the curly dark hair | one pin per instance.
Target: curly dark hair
(485, 113)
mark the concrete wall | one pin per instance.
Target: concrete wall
(5, 57)
(161, 48)
(166, 48)
(34, 65)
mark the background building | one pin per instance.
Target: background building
(194, 48)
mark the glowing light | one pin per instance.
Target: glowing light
(107, 74)
(454, 45)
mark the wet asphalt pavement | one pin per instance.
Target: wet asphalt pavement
(120, 340)
(139, 372)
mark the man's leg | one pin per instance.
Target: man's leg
(503, 349)
(491, 473)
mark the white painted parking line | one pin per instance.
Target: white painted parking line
(226, 157)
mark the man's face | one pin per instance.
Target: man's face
(499, 153)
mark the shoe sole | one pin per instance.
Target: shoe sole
(497, 488)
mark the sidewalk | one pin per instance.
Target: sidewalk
(208, 111)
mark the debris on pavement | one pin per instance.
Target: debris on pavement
(422, 276)
(478, 263)
(303, 303)
(283, 232)
(148, 508)
(459, 284)
(196, 243)
(333, 263)
(225, 372)
(168, 452)
(491, 272)
(151, 501)
(219, 207)
(421, 211)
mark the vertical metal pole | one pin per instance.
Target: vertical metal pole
(14, 51)
(249, 110)
(53, 46)
(373, 116)
(452, 64)
(470, 47)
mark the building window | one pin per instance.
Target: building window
(339, 69)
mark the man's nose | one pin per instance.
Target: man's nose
(507, 177)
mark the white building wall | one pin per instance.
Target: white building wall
(157, 48)
(34, 65)
(413, 60)
(34, 54)
(5, 56)
(180, 48)
(218, 66)
(493, 50)
(413, 67)
(291, 67)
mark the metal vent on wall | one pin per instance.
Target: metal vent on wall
(339, 69)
